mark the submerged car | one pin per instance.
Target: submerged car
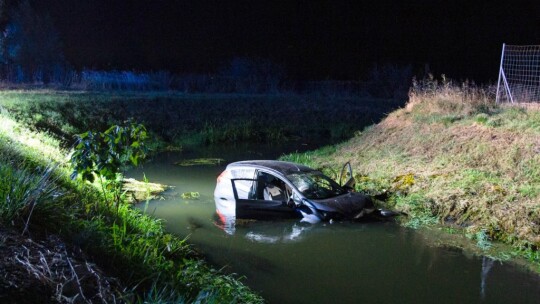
(267, 188)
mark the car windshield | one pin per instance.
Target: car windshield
(315, 185)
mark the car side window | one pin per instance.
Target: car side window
(270, 188)
(244, 188)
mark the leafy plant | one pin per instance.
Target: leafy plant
(106, 154)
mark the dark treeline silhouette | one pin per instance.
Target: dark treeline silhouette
(32, 54)
(315, 40)
(30, 47)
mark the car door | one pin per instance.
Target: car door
(258, 204)
(346, 177)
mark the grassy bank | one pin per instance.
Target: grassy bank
(452, 156)
(69, 245)
(38, 200)
(180, 119)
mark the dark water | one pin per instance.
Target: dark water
(291, 262)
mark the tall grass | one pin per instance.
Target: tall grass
(24, 192)
(446, 101)
(309, 158)
(37, 195)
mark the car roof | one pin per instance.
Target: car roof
(285, 168)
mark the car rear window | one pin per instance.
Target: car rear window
(243, 173)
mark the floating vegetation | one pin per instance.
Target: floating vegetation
(191, 195)
(173, 148)
(138, 191)
(200, 162)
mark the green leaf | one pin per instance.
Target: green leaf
(109, 130)
(134, 160)
(83, 135)
(105, 153)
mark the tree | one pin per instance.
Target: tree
(30, 45)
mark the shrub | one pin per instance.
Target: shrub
(106, 154)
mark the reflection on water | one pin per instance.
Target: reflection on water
(294, 235)
(292, 262)
(487, 263)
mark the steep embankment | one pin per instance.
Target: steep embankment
(63, 240)
(453, 156)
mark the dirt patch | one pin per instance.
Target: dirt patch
(46, 271)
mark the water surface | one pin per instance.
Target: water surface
(292, 262)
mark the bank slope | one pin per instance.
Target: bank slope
(61, 241)
(454, 156)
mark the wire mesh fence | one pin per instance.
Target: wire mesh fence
(519, 74)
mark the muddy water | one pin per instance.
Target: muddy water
(291, 262)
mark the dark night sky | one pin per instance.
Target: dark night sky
(313, 39)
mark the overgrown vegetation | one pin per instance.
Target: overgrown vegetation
(106, 154)
(179, 119)
(37, 129)
(39, 200)
(455, 157)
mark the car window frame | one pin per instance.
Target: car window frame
(254, 208)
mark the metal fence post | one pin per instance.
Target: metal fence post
(500, 73)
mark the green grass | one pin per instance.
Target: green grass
(307, 157)
(482, 240)
(37, 196)
(25, 192)
(38, 127)
(473, 164)
(181, 119)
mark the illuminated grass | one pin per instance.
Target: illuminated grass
(475, 164)
(16, 136)
(36, 195)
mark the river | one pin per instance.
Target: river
(291, 262)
